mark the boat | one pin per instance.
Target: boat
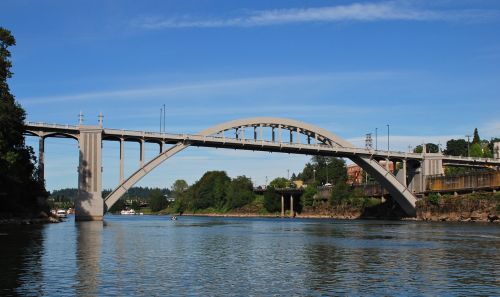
(128, 212)
(61, 213)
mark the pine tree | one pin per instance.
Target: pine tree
(20, 188)
(476, 138)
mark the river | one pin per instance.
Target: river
(202, 256)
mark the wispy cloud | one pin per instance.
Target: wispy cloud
(204, 86)
(357, 12)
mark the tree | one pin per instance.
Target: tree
(157, 200)
(118, 206)
(476, 138)
(456, 147)
(23, 191)
(210, 191)
(323, 170)
(340, 192)
(308, 195)
(239, 192)
(272, 202)
(179, 186)
(280, 182)
(430, 148)
(475, 150)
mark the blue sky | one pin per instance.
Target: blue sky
(430, 69)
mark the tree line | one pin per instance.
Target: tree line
(22, 191)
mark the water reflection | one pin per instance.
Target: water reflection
(88, 252)
(154, 256)
(21, 250)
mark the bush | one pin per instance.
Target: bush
(433, 199)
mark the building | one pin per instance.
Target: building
(355, 173)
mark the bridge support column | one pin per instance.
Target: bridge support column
(89, 205)
(141, 161)
(404, 174)
(282, 206)
(41, 159)
(122, 160)
(292, 214)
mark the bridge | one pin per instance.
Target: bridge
(255, 134)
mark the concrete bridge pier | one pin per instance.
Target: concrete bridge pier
(41, 158)
(89, 205)
(282, 206)
(292, 214)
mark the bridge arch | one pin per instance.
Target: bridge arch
(401, 194)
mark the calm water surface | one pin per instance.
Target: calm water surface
(153, 256)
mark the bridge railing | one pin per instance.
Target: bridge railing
(50, 125)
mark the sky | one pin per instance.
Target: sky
(428, 69)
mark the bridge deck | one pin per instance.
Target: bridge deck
(59, 130)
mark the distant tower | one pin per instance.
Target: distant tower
(369, 141)
(80, 118)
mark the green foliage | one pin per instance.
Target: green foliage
(308, 195)
(21, 189)
(456, 147)
(135, 205)
(118, 206)
(280, 182)
(340, 193)
(475, 150)
(179, 187)
(324, 169)
(476, 138)
(157, 200)
(430, 148)
(239, 193)
(272, 200)
(433, 199)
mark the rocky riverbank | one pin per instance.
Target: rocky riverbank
(25, 219)
(475, 207)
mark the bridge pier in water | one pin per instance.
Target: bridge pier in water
(89, 205)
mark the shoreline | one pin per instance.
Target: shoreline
(443, 218)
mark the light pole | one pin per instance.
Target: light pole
(164, 112)
(376, 138)
(161, 115)
(387, 138)
(314, 175)
(288, 173)
(468, 145)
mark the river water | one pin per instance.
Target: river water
(199, 256)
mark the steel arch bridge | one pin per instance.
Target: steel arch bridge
(266, 134)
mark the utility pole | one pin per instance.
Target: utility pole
(288, 173)
(468, 145)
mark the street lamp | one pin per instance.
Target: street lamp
(468, 145)
(387, 138)
(314, 175)
(376, 138)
